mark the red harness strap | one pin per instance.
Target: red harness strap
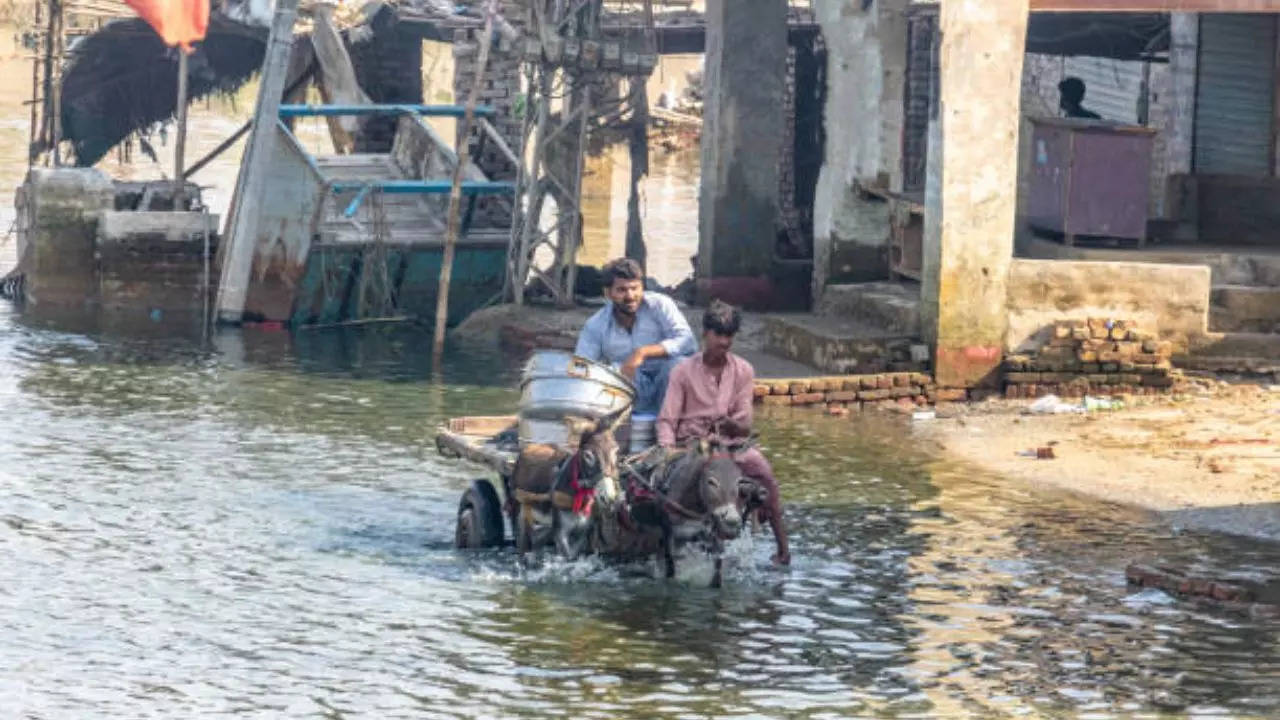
(583, 498)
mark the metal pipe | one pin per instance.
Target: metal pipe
(180, 146)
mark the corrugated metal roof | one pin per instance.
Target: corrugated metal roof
(1112, 87)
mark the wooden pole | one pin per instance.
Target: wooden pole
(179, 152)
(56, 101)
(35, 96)
(455, 192)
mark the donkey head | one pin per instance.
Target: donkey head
(597, 452)
(718, 493)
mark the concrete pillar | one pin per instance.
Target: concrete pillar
(746, 56)
(972, 188)
(61, 208)
(866, 72)
(1184, 50)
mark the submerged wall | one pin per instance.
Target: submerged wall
(58, 214)
(149, 261)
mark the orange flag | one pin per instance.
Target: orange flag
(179, 22)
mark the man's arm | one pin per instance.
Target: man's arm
(591, 341)
(677, 337)
(740, 412)
(672, 407)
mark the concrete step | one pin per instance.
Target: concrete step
(1234, 351)
(1245, 308)
(891, 306)
(840, 346)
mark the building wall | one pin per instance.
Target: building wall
(863, 116)
(389, 70)
(1172, 300)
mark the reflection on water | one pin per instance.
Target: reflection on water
(261, 524)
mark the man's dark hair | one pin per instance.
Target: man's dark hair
(621, 269)
(1072, 90)
(722, 318)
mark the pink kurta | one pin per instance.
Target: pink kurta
(695, 400)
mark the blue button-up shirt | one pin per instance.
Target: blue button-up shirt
(658, 322)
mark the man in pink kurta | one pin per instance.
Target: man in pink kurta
(716, 387)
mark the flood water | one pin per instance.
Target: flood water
(261, 525)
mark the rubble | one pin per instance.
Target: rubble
(1098, 356)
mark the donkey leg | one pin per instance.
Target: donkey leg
(718, 578)
(668, 547)
(563, 544)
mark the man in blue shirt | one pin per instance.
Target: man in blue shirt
(643, 335)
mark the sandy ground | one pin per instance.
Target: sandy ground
(1209, 460)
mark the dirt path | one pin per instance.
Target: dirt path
(1210, 462)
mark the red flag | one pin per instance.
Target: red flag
(178, 22)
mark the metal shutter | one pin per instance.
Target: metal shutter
(1235, 94)
(1112, 88)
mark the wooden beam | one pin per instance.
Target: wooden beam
(1159, 6)
(251, 188)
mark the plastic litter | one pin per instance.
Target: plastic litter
(1094, 404)
(924, 415)
(1053, 405)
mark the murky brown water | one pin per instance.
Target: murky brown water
(260, 525)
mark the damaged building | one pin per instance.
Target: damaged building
(957, 208)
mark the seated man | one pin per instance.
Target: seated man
(641, 334)
(714, 388)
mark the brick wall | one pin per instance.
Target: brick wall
(501, 90)
(389, 69)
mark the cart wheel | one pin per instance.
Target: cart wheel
(479, 518)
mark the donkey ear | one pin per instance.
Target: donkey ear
(608, 423)
(577, 429)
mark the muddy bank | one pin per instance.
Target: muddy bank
(1210, 461)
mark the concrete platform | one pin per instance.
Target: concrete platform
(893, 306)
(1245, 308)
(1235, 351)
(839, 345)
(1242, 265)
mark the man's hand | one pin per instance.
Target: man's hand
(632, 364)
(730, 428)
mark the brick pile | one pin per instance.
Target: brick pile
(857, 391)
(1098, 356)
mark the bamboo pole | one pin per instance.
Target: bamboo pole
(455, 192)
(35, 96)
(179, 153)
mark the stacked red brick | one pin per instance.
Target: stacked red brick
(855, 391)
(1098, 356)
